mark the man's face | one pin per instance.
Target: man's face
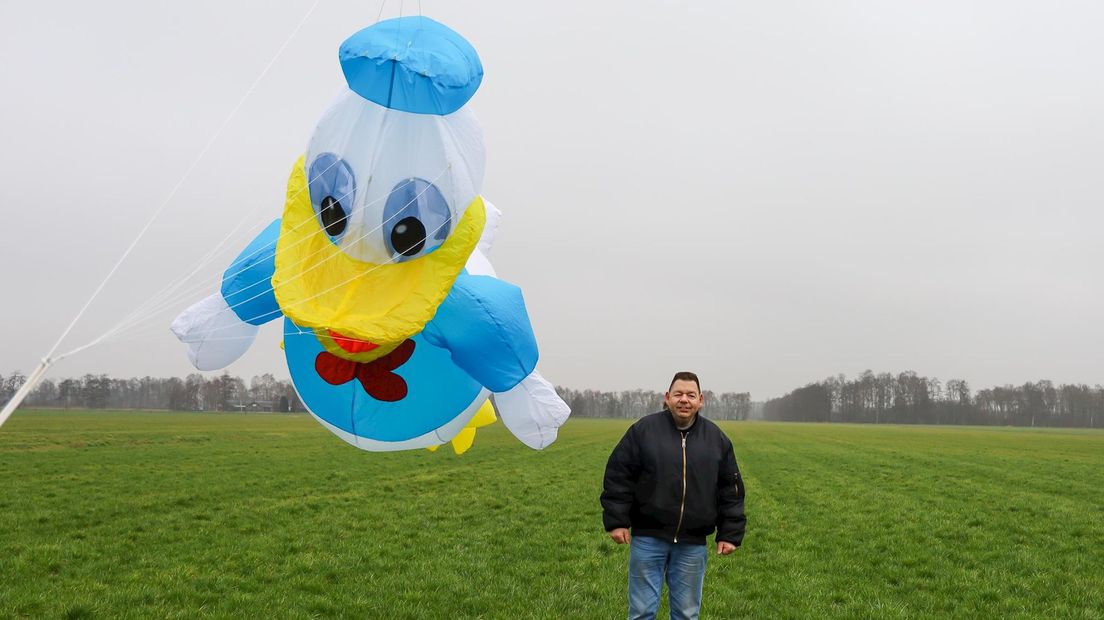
(684, 400)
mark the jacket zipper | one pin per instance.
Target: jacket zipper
(682, 506)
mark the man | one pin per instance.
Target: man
(672, 480)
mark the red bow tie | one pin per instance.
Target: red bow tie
(375, 376)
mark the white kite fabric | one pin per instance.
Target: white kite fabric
(212, 316)
(398, 333)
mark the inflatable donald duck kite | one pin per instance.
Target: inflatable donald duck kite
(397, 333)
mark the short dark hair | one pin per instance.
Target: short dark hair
(685, 375)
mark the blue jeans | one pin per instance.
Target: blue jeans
(652, 559)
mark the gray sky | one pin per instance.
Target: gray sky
(764, 192)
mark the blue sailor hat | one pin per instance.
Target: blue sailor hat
(413, 64)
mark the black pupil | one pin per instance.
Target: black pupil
(408, 237)
(333, 216)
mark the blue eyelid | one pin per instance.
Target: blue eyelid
(417, 198)
(330, 175)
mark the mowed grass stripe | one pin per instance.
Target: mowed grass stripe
(184, 515)
(900, 498)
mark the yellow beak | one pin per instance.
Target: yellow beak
(319, 286)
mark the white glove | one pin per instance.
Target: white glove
(478, 265)
(532, 410)
(215, 336)
(490, 227)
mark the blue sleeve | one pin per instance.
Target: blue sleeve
(484, 325)
(247, 283)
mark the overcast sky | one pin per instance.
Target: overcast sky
(766, 193)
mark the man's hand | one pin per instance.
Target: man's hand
(620, 535)
(723, 548)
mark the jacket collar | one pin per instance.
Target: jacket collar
(671, 419)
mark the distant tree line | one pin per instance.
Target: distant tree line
(637, 403)
(192, 393)
(907, 398)
(884, 398)
(266, 393)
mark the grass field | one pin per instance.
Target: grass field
(186, 515)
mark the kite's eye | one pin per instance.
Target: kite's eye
(333, 216)
(408, 236)
(332, 191)
(416, 219)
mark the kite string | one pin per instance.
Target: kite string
(151, 307)
(186, 175)
(307, 258)
(49, 359)
(135, 323)
(173, 285)
(166, 293)
(315, 296)
(162, 302)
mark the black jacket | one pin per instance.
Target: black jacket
(647, 489)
